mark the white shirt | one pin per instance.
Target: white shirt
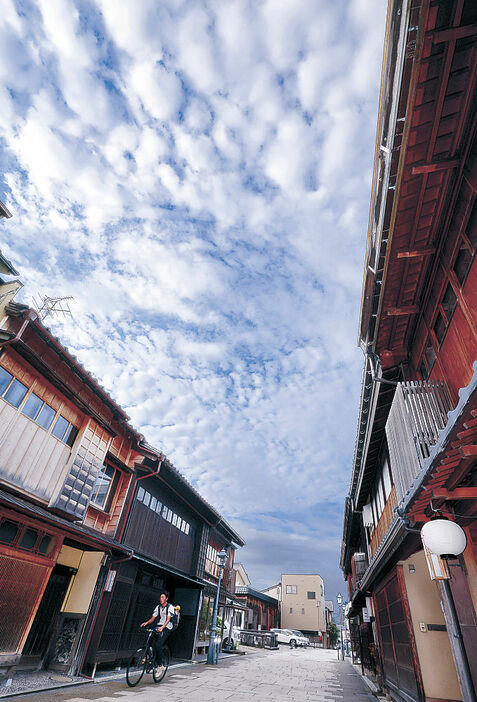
(163, 613)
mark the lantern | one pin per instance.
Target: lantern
(443, 537)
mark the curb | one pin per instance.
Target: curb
(76, 683)
(34, 690)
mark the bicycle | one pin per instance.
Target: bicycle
(143, 661)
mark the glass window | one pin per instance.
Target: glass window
(153, 504)
(8, 532)
(462, 264)
(291, 610)
(46, 545)
(71, 435)
(291, 589)
(449, 302)
(379, 500)
(101, 486)
(440, 328)
(311, 595)
(32, 406)
(187, 528)
(387, 478)
(5, 378)
(147, 498)
(303, 610)
(15, 393)
(46, 416)
(28, 539)
(471, 228)
(158, 507)
(430, 355)
(140, 494)
(174, 519)
(60, 427)
(164, 512)
(169, 515)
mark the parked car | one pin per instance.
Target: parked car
(291, 636)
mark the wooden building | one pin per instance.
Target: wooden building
(416, 447)
(93, 520)
(67, 457)
(263, 611)
(174, 536)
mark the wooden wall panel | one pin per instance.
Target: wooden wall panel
(29, 457)
(457, 354)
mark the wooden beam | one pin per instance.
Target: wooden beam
(468, 451)
(436, 166)
(414, 254)
(402, 311)
(454, 33)
(457, 494)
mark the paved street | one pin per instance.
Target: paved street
(301, 675)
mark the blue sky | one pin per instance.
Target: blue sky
(197, 174)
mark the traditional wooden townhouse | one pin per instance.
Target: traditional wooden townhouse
(174, 536)
(93, 520)
(67, 459)
(262, 611)
(219, 538)
(413, 615)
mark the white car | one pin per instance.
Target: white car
(291, 636)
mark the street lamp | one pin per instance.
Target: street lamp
(339, 599)
(448, 540)
(213, 644)
(443, 537)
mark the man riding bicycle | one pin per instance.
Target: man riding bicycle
(163, 627)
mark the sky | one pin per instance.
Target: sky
(196, 174)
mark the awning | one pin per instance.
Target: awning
(78, 531)
(168, 569)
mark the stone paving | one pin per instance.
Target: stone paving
(299, 675)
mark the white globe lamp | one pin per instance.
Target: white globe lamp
(443, 537)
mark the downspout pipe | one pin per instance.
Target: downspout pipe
(121, 560)
(131, 496)
(374, 377)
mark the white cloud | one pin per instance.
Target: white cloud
(197, 176)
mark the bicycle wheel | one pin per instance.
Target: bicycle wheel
(159, 671)
(136, 667)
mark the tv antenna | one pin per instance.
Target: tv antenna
(50, 306)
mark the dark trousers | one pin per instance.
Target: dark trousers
(161, 638)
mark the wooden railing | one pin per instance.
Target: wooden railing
(418, 413)
(384, 522)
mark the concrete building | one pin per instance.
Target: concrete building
(303, 603)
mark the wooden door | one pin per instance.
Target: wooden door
(38, 640)
(400, 664)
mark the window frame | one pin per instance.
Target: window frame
(110, 492)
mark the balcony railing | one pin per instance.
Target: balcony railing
(418, 412)
(384, 522)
